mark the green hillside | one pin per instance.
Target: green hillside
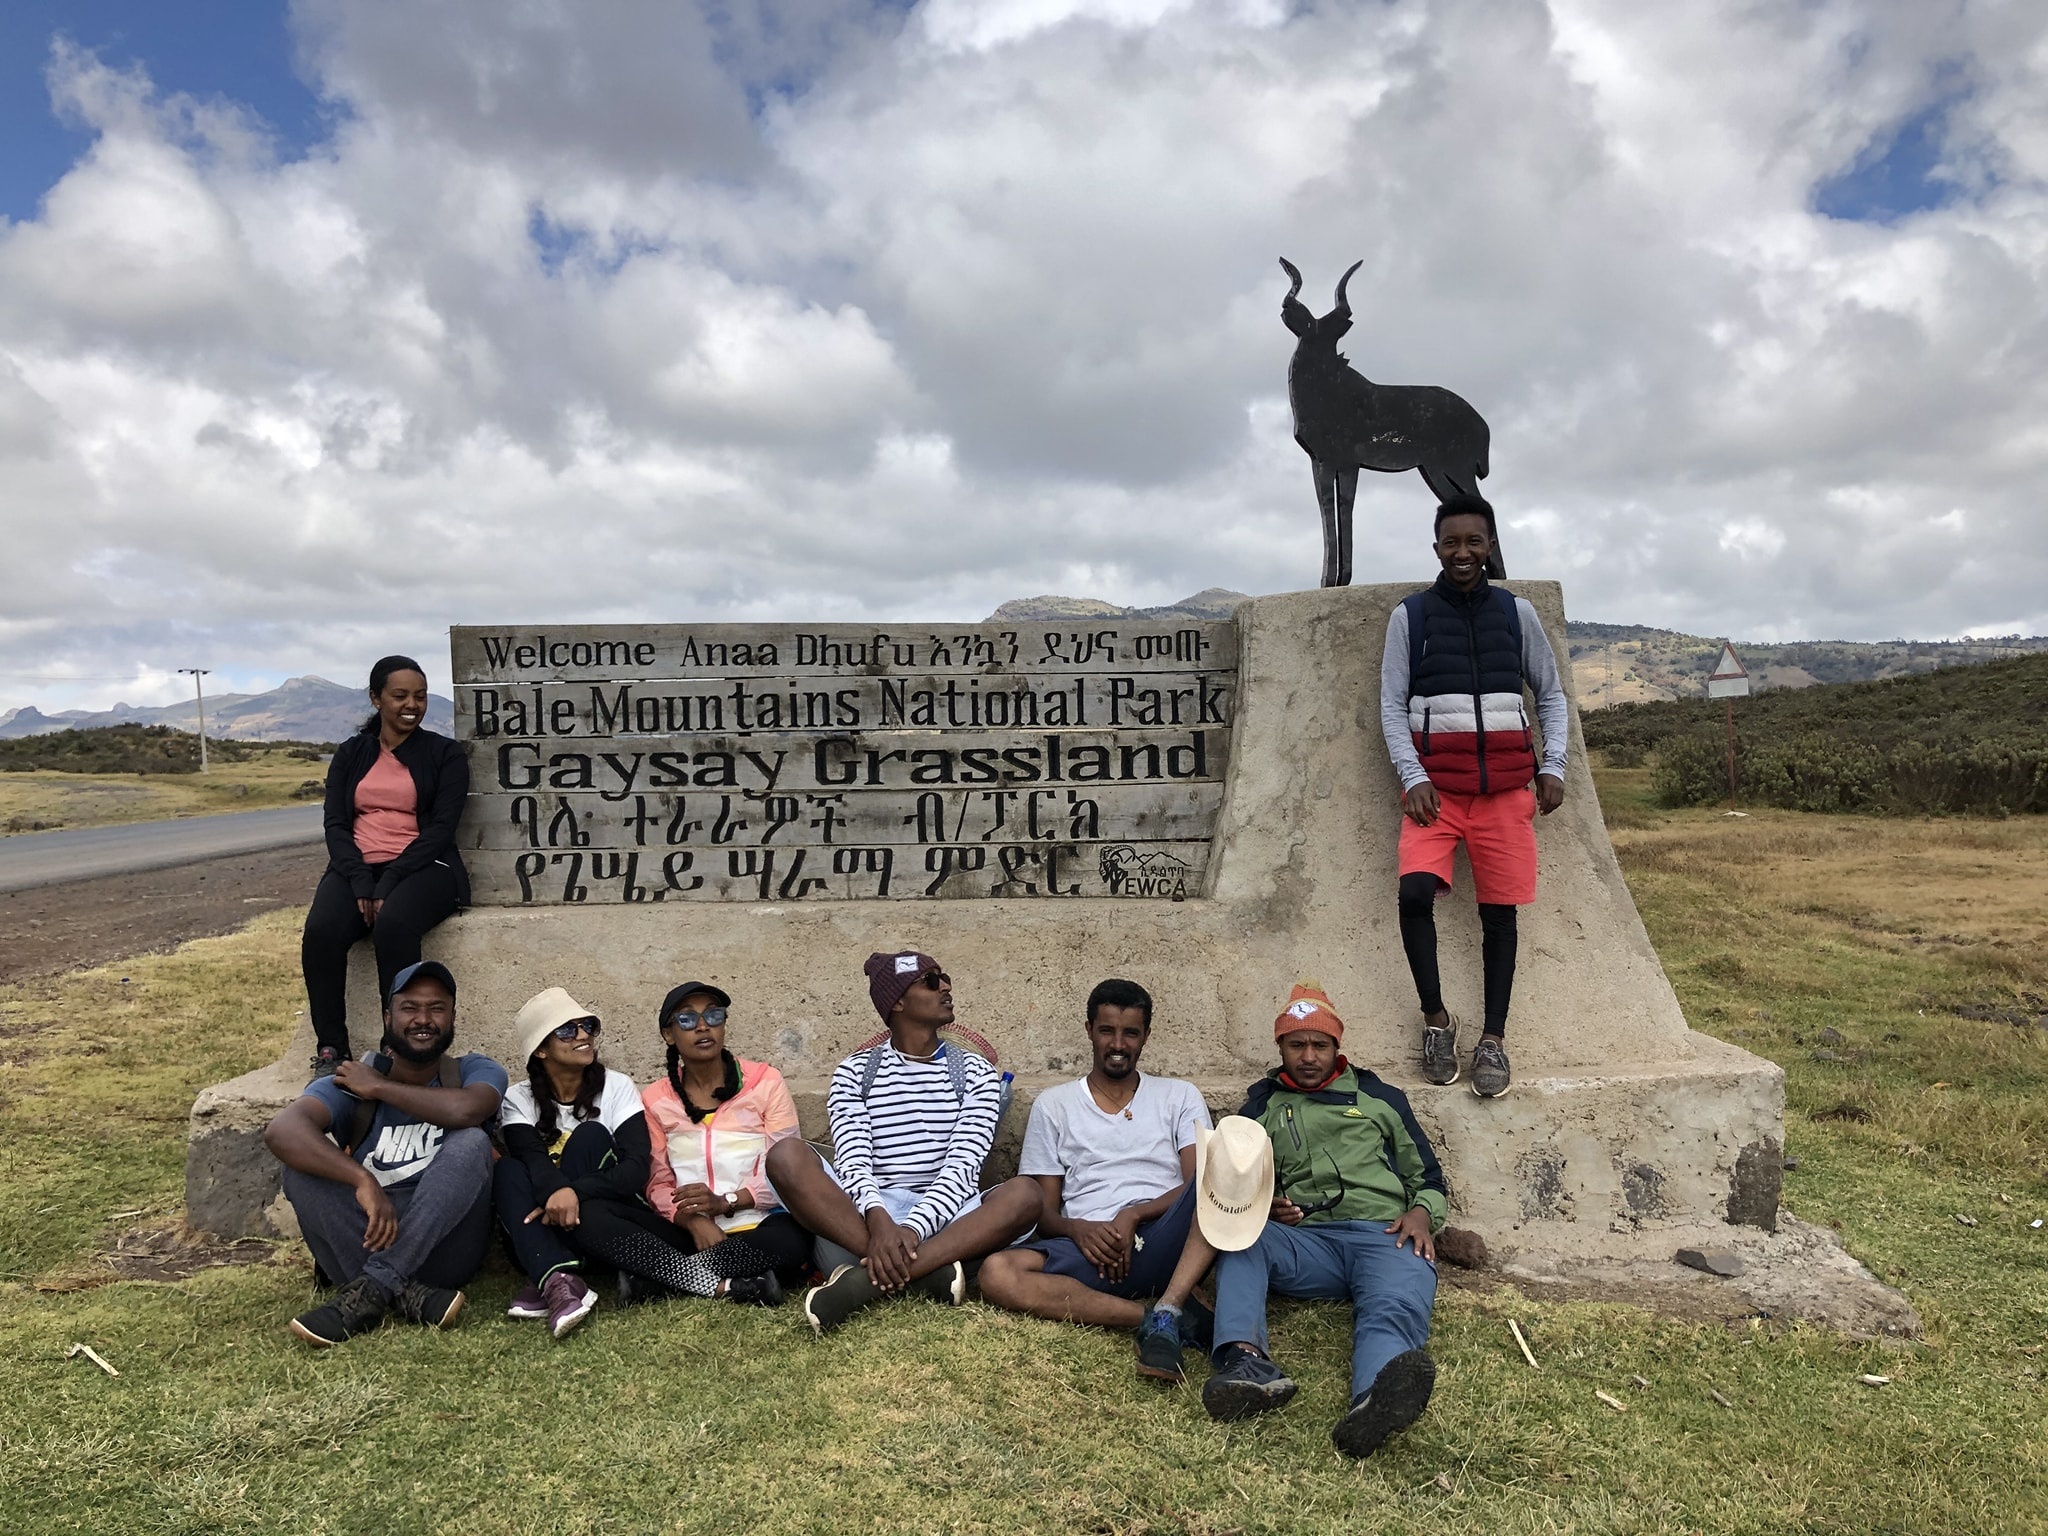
(1970, 739)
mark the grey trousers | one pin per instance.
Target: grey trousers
(444, 1220)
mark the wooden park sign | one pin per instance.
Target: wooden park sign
(658, 763)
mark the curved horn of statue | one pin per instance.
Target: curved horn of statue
(1345, 423)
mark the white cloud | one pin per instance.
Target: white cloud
(815, 310)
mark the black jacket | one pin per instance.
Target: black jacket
(441, 775)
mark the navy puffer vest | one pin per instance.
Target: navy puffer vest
(1465, 706)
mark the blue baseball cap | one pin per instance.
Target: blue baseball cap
(430, 970)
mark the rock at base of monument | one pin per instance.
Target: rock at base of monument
(1462, 1247)
(1712, 1261)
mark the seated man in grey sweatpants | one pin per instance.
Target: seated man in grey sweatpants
(388, 1170)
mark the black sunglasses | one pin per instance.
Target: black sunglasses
(710, 1018)
(938, 981)
(575, 1027)
(1335, 1200)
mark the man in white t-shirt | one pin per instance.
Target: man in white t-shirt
(1114, 1157)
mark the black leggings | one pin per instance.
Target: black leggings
(1497, 945)
(625, 1233)
(333, 925)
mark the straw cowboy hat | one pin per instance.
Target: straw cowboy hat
(1233, 1182)
(544, 1013)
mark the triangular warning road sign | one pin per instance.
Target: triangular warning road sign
(1730, 678)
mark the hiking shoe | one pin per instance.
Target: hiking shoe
(529, 1306)
(755, 1290)
(1245, 1384)
(1395, 1400)
(1198, 1325)
(1440, 1052)
(827, 1306)
(1159, 1346)
(356, 1308)
(325, 1062)
(946, 1285)
(1490, 1067)
(634, 1289)
(569, 1300)
(431, 1306)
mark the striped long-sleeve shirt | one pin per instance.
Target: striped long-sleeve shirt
(912, 1133)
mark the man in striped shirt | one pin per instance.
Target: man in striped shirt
(899, 1209)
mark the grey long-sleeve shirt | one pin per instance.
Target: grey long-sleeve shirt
(1539, 670)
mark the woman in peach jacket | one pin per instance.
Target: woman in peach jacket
(710, 1123)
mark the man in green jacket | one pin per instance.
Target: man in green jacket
(1358, 1202)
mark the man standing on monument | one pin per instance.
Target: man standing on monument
(1114, 1154)
(899, 1209)
(1451, 709)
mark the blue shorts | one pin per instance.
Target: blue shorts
(1152, 1265)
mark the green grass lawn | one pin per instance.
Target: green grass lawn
(692, 1417)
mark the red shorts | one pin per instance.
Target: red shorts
(1499, 834)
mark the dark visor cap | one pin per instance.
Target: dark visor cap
(429, 970)
(675, 997)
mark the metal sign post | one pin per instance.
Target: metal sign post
(1729, 680)
(199, 693)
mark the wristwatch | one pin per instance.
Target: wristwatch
(732, 1203)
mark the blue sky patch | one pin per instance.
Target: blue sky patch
(209, 49)
(1897, 174)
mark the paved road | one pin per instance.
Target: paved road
(32, 859)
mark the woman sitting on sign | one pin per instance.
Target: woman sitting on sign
(394, 795)
(712, 1120)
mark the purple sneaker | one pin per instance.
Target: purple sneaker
(569, 1301)
(529, 1306)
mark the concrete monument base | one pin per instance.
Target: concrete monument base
(1621, 1120)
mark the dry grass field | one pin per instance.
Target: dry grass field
(43, 800)
(1897, 969)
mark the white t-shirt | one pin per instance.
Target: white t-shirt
(617, 1102)
(1111, 1161)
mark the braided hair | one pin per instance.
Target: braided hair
(720, 1094)
(582, 1107)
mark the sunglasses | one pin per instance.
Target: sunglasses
(710, 1018)
(938, 981)
(575, 1027)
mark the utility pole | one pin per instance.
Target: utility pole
(199, 692)
(1729, 680)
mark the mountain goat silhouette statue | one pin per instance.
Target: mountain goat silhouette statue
(1345, 423)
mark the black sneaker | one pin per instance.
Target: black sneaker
(325, 1062)
(947, 1285)
(430, 1306)
(1490, 1076)
(356, 1308)
(1159, 1347)
(1395, 1400)
(1245, 1384)
(755, 1290)
(634, 1289)
(1198, 1325)
(847, 1292)
(1440, 1052)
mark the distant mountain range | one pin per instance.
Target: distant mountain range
(1611, 664)
(1621, 663)
(302, 709)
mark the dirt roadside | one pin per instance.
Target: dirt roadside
(58, 928)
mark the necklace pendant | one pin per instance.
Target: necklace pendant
(1127, 1114)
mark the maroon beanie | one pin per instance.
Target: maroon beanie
(890, 976)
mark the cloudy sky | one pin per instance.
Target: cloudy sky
(321, 332)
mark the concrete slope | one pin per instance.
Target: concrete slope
(51, 858)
